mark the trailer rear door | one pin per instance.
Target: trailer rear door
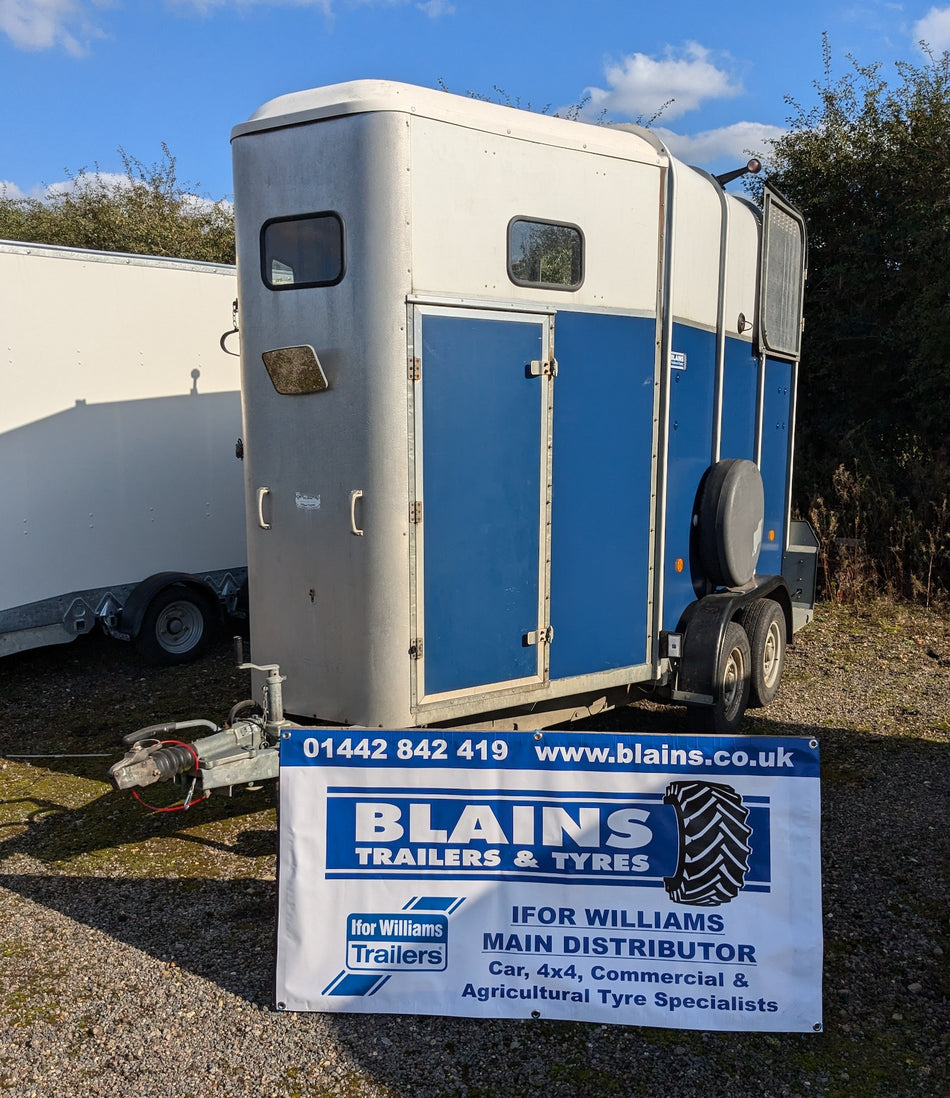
(481, 480)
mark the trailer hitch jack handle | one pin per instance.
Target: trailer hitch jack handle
(273, 694)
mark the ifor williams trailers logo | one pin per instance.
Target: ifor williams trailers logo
(379, 944)
(403, 942)
(700, 841)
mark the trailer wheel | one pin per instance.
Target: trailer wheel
(764, 623)
(713, 843)
(731, 688)
(177, 626)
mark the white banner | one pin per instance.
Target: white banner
(641, 880)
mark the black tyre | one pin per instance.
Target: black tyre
(177, 626)
(731, 688)
(764, 623)
(713, 843)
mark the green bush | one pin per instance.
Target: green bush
(147, 211)
(870, 169)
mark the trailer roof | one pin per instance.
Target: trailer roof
(125, 259)
(365, 96)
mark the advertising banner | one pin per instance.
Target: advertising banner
(641, 880)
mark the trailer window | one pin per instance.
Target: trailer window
(545, 254)
(783, 277)
(299, 252)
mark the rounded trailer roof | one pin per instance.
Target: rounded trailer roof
(364, 96)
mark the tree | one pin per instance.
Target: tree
(869, 167)
(147, 211)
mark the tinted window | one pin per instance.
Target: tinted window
(297, 252)
(545, 254)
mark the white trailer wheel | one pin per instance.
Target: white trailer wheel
(731, 688)
(764, 623)
(176, 628)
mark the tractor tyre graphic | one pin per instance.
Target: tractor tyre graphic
(713, 843)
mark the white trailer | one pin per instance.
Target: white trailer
(121, 500)
(519, 404)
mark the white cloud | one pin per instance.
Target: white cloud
(43, 191)
(640, 85)
(10, 190)
(46, 24)
(934, 29)
(204, 7)
(436, 8)
(433, 8)
(195, 204)
(108, 181)
(71, 25)
(736, 142)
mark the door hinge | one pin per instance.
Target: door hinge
(415, 369)
(537, 368)
(538, 636)
(415, 649)
(415, 512)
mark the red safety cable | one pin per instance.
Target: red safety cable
(175, 807)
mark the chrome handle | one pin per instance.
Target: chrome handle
(261, 493)
(356, 494)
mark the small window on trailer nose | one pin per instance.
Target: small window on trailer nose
(303, 251)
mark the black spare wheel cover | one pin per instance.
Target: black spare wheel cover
(731, 515)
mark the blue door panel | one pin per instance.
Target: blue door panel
(776, 435)
(601, 492)
(739, 401)
(481, 500)
(690, 447)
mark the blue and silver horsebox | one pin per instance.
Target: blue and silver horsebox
(519, 399)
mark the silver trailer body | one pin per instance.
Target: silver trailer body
(472, 479)
(117, 435)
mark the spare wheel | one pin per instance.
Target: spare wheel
(730, 516)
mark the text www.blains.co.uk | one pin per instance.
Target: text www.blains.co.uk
(636, 754)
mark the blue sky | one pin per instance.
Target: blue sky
(81, 78)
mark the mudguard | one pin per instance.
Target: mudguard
(703, 625)
(133, 613)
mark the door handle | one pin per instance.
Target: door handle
(356, 494)
(261, 493)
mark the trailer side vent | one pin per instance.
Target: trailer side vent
(295, 371)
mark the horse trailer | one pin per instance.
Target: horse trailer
(519, 406)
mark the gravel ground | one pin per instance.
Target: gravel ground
(136, 949)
